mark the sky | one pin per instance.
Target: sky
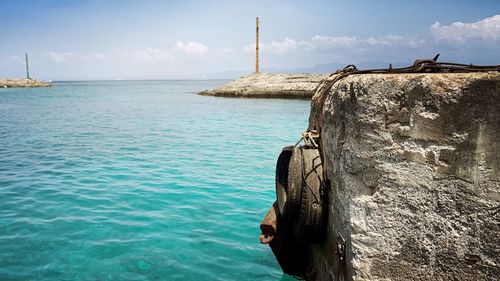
(149, 39)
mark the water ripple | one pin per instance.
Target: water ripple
(138, 181)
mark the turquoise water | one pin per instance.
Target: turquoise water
(141, 180)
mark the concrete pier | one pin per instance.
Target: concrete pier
(414, 166)
(270, 85)
(22, 83)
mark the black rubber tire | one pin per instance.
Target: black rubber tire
(294, 187)
(288, 192)
(282, 176)
(291, 255)
(310, 226)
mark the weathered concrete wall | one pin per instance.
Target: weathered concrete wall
(22, 83)
(270, 85)
(414, 163)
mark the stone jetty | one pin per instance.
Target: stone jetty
(270, 85)
(22, 83)
(414, 165)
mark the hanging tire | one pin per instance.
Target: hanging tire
(294, 188)
(291, 255)
(289, 182)
(282, 176)
(310, 226)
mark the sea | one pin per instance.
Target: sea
(139, 180)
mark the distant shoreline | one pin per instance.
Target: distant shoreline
(23, 83)
(138, 80)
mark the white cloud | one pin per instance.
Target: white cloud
(96, 56)
(191, 48)
(331, 42)
(319, 42)
(285, 46)
(60, 57)
(251, 47)
(487, 29)
(146, 55)
(223, 51)
(161, 55)
(395, 40)
(388, 40)
(70, 56)
(136, 55)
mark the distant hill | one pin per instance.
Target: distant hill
(332, 67)
(323, 68)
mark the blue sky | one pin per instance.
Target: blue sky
(151, 39)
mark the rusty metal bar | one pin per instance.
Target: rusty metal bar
(269, 225)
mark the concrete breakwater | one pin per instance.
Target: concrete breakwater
(22, 83)
(270, 85)
(412, 181)
(415, 172)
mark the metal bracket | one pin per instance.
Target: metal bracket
(340, 248)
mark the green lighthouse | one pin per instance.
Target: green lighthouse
(27, 68)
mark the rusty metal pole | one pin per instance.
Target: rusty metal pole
(257, 46)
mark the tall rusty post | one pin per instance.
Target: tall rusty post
(257, 45)
(27, 68)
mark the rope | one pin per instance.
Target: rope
(310, 138)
